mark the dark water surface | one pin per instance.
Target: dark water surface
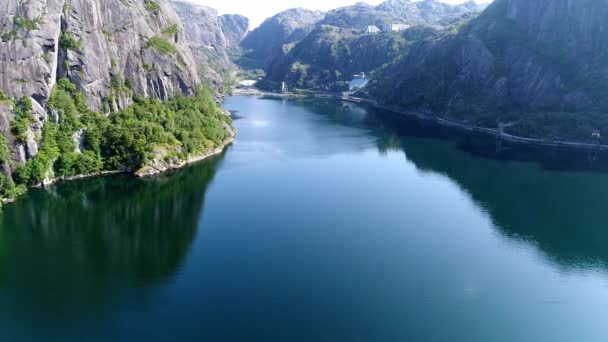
(319, 224)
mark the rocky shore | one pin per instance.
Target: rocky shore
(160, 164)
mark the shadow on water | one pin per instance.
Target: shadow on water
(537, 196)
(79, 244)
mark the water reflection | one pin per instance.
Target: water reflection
(80, 244)
(561, 213)
(544, 203)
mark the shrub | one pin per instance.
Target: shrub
(5, 154)
(24, 23)
(4, 97)
(8, 189)
(23, 119)
(171, 30)
(68, 41)
(152, 6)
(33, 172)
(161, 45)
(9, 36)
(73, 164)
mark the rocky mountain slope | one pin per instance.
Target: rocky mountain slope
(519, 56)
(338, 47)
(235, 28)
(66, 66)
(425, 12)
(95, 45)
(214, 39)
(329, 57)
(267, 41)
(91, 43)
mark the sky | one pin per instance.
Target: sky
(258, 10)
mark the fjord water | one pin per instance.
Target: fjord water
(323, 222)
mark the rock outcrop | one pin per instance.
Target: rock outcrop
(214, 39)
(266, 42)
(165, 157)
(110, 49)
(235, 28)
(93, 43)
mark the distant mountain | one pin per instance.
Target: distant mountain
(235, 27)
(542, 62)
(357, 16)
(266, 41)
(338, 47)
(426, 12)
(212, 38)
(329, 57)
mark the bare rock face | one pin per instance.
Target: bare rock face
(213, 38)
(131, 40)
(266, 42)
(110, 49)
(92, 43)
(235, 28)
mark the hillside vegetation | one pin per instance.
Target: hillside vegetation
(83, 142)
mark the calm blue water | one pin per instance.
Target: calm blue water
(323, 222)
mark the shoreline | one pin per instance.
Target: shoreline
(151, 171)
(496, 132)
(192, 160)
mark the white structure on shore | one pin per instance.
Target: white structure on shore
(371, 29)
(247, 83)
(359, 82)
(395, 27)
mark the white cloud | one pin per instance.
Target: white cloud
(258, 10)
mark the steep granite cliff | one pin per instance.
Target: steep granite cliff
(82, 85)
(214, 39)
(98, 46)
(91, 43)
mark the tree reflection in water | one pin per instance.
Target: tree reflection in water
(68, 247)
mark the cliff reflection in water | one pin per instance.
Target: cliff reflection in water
(546, 203)
(562, 212)
(91, 236)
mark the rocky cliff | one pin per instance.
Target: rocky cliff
(518, 56)
(109, 49)
(88, 86)
(266, 42)
(235, 28)
(214, 39)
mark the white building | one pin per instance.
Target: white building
(247, 83)
(372, 30)
(395, 27)
(359, 82)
